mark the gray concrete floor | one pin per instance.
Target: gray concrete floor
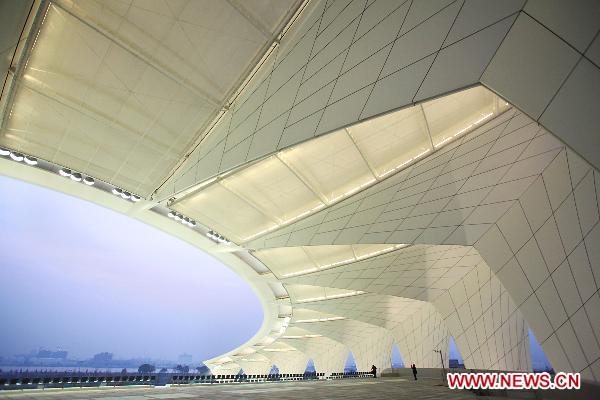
(350, 389)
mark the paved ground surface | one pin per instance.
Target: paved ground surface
(386, 388)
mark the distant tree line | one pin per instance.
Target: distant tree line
(183, 369)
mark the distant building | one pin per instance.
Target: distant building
(185, 359)
(59, 354)
(102, 359)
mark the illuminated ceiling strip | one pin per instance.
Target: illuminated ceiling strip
(343, 262)
(279, 350)
(300, 321)
(331, 296)
(281, 156)
(465, 129)
(301, 336)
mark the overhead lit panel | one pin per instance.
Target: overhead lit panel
(309, 316)
(393, 140)
(308, 293)
(225, 212)
(456, 114)
(87, 103)
(327, 256)
(286, 260)
(294, 261)
(208, 45)
(298, 181)
(331, 164)
(271, 187)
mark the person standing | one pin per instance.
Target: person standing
(374, 371)
(414, 370)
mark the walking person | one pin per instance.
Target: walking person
(414, 370)
(374, 371)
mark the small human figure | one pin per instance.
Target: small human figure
(414, 370)
(374, 371)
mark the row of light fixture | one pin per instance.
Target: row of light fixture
(217, 237)
(89, 181)
(67, 173)
(125, 195)
(183, 219)
(76, 176)
(18, 157)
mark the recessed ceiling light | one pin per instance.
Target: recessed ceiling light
(76, 176)
(16, 156)
(64, 172)
(4, 152)
(117, 191)
(135, 198)
(30, 160)
(89, 180)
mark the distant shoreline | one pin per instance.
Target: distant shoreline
(78, 369)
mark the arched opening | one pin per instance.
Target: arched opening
(350, 365)
(539, 361)
(203, 369)
(397, 361)
(274, 370)
(310, 367)
(455, 359)
(88, 257)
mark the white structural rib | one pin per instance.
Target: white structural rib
(239, 7)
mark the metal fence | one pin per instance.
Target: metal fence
(346, 375)
(42, 380)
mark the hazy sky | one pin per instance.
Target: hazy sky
(78, 276)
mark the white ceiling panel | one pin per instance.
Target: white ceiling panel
(286, 260)
(271, 187)
(392, 140)
(294, 261)
(308, 293)
(209, 44)
(331, 164)
(224, 211)
(460, 112)
(310, 316)
(86, 103)
(121, 89)
(328, 256)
